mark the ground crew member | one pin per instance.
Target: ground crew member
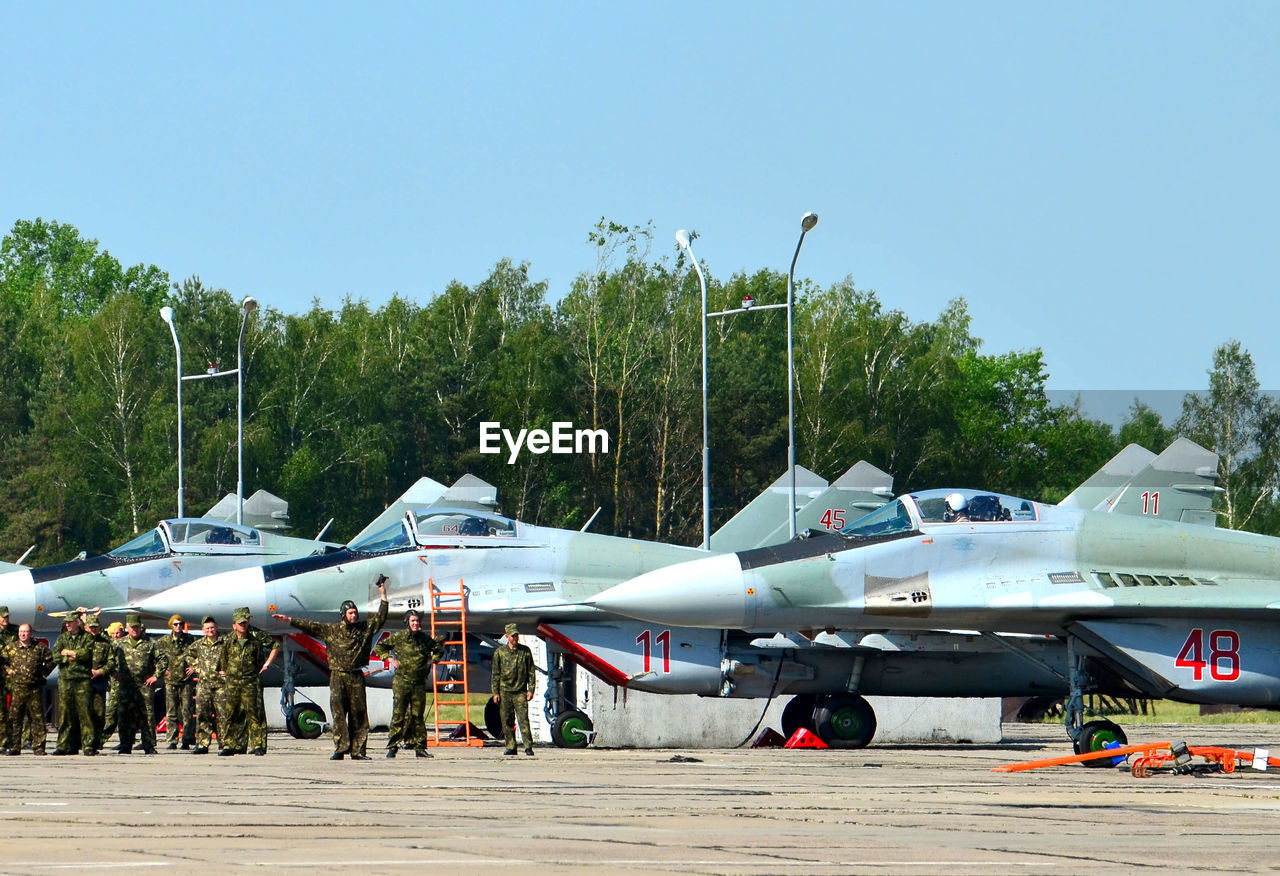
(73, 653)
(415, 655)
(137, 672)
(245, 656)
(28, 663)
(104, 667)
(512, 689)
(8, 635)
(115, 632)
(171, 651)
(202, 664)
(347, 643)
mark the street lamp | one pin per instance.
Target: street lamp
(166, 313)
(807, 223)
(686, 243)
(247, 306)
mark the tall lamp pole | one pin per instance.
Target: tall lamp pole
(807, 222)
(685, 241)
(248, 306)
(166, 313)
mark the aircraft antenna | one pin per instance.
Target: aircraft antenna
(24, 554)
(592, 520)
(324, 529)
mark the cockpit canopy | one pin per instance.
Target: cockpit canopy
(427, 528)
(908, 513)
(189, 535)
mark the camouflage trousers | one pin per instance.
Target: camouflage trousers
(75, 722)
(349, 712)
(408, 723)
(4, 706)
(179, 710)
(26, 708)
(113, 705)
(515, 707)
(98, 704)
(209, 711)
(133, 713)
(246, 718)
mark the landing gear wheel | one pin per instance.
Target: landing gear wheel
(1093, 735)
(305, 721)
(798, 713)
(571, 729)
(844, 721)
(493, 719)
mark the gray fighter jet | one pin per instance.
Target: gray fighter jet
(1130, 602)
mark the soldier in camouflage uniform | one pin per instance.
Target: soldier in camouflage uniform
(8, 635)
(115, 632)
(415, 654)
(171, 651)
(512, 689)
(104, 667)
(347, 644)
(245, 656)
(28, 663)
(73, 652)
(202, 663)
(136, 674)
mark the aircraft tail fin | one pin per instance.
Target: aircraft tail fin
(1103, 483)
(860, 490)
(468, 491)
(262, 510)
(1179, 484)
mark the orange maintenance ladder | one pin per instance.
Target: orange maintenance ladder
(453, 622)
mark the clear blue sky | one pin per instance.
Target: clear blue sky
(1096, 179)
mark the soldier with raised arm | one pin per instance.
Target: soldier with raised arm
(348, 642)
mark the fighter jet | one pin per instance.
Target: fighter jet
(1153, 607)
(177, 550)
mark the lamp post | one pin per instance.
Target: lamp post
(247, 306)
(807, 223)
(166, 313)
(684, 241)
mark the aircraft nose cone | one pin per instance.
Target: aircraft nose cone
(18, 592)
(707, 592)
(217, 595)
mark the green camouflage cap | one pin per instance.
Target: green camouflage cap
(4, 611)
(241, 615)
(511, 630)
(72, 616)
(208, 619)
(133, 619)
(91, 620)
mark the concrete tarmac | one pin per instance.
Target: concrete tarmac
(892, 809)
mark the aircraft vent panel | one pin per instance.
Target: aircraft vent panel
(1105, 579)
(909, 597)
(1126, 580)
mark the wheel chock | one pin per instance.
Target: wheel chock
(770, 738)
(805, 738)
(460, 732)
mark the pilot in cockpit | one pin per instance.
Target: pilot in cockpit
(473, 526)
(957, 509)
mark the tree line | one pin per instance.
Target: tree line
(344, 409)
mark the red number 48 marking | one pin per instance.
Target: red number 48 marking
(1224, 655)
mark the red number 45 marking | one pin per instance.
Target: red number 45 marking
(1224, 655)
(834, 518)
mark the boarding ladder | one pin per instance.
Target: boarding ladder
(449, 618)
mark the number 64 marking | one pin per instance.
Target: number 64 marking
(1224, 655)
